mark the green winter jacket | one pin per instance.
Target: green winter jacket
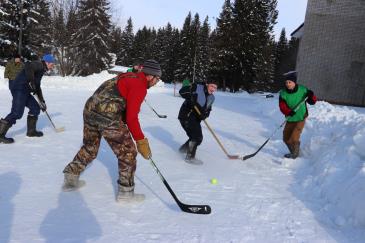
(185, 82)
(12, 69)
(294, 98)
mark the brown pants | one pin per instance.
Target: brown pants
(292, 132)
(119, 139)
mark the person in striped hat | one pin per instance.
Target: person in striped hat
(112, 113)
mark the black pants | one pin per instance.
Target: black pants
(192, 128)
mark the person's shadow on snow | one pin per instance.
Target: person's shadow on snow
(71, 221)
(9, 186)
(42, 123)
(164, 136)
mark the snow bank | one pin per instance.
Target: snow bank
(335, 143)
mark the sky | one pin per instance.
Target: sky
(158, 13)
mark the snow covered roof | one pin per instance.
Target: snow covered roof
(298, 32)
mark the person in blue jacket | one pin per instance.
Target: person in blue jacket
(26, 83)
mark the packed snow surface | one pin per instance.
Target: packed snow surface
(318, 197)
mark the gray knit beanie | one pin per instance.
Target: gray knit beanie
(152, 67)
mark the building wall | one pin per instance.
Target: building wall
(331, 58)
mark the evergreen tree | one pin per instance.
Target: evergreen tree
(115, 43)
(280, 53)
(185, 62)
(253, 22)
(92, 37)
(15, 27)
(124, 52)
(222, 47)
(143, 44)
(203, 62)
(165, 46)
(8, 28)
(40, 30)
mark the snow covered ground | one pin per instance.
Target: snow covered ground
(316, 198)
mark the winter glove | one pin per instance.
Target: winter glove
(311, 97)
(310, 94)
(292, 113)
(43, 106)
(144, 148)
(32, 87)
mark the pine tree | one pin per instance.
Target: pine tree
(203, 52)
(14, 27)
(91, 39)
(40, 29)
(124, 52)
(253, 22)
(280, 53)
(143, 44)
(185, 62)
(222, 47)
(114, 43)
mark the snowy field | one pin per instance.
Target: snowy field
(316, 198)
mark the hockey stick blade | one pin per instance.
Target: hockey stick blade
(233, 156)
(60, 129)
(248, 156)
(161, 116)
(195, 209)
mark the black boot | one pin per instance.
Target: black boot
(184, 148)
(31, 127)
(190, 154)
(4, 127)
(290, 154)
(296, 149)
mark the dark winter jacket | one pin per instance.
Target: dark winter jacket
(12, 69)
(289, 99)
(31, 73)
(195, 95)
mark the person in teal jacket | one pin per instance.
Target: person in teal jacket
(292, 95)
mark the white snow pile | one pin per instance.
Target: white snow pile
(335, 143)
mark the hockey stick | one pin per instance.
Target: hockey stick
(160, 116)
(216, 138)
(281, 125)
(196, 209)
(61, 129)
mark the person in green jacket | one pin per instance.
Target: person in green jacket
(292, 95)
(186, 82)
(12, 68)
(137, 67)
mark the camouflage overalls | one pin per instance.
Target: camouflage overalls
(104, 116)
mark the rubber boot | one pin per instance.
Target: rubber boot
(290, 154)
(4, 127)
(31, 127)
(190, 154)
(296, 149)
(184, 148)
(127, 195)
(72, 182)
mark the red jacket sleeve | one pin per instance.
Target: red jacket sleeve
(284, 108)
(134, 90)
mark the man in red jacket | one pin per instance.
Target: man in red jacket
(112, 113)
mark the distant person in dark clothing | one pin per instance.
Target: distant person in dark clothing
(13, 67)
(26, 83)
(198, 95)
